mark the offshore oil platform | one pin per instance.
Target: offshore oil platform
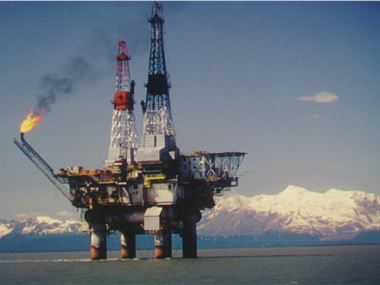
(147, 187)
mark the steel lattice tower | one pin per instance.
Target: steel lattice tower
(157, 111)
(123, 142)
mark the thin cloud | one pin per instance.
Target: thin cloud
(24, 216)
(322, 97)
(313, 117)
(64, 213)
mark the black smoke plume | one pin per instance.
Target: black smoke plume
(52, 86)
(97, 57)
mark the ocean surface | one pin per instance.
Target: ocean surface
(293, 266)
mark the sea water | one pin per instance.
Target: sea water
(298, 265)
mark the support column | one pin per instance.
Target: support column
(168, 247)
(98, 247)
(163, 244)
(189, 237)
(128, 245)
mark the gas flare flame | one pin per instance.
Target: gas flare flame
(32, 119)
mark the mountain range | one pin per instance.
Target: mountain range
(40, 225)
(332, 215)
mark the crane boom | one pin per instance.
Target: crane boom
(41, 164)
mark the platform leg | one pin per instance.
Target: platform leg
(168, 247)
(128, 245)
(98, 247)
(163, 245)
(189, 237)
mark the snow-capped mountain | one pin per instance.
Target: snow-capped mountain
(6, 228)
(40, 225)
(332, 215)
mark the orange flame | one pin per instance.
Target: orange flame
(31, 120)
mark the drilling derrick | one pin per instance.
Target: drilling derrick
(158, 138)
(123, 141)
(154, 190)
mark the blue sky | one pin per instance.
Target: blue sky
(245, 77)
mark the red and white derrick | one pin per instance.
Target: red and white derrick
(123, 143)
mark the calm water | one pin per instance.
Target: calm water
(307, 265)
